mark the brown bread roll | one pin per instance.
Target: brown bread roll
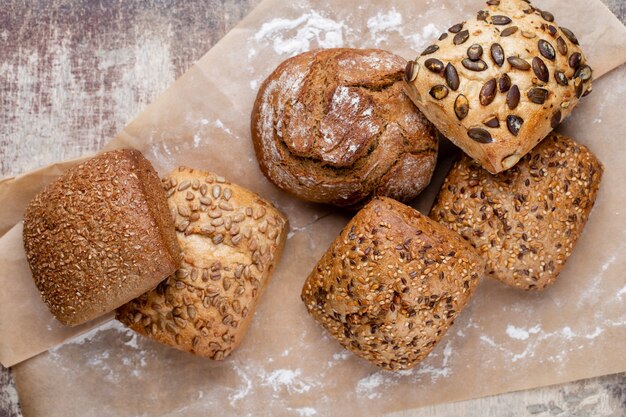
(498, 83)
(392, 283)
(99, 236)
(334, 126)
(231, 240)
(524, 221)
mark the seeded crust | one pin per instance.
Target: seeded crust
(524, 221)
(501, 134)
(392, 283)
(99, 236)
(231, 240)
(334, 126)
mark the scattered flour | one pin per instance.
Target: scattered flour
(384, 24)
(286, 379)
(621, 292)
(519, 333)
(310, 27)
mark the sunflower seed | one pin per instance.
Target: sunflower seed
(493, 2)
(184, 185)
(497, 54)
(575, 60)
(439, 91)
(514, 123)
(540, 69)
(555, 119)
(216, 191)
(504, 83)
(569, 35)
(500, 20)
(411, 70)
(461, 106)
(492, 121)
(509, 161)
(479, 65)
(578, 84)
(488, 92)
(430, 50)
(584, 72)
(538, 95)
(528, 34)
(456, 28)
(546, 49)
(482, 15)
(509, 31)
(588, 91)
(512, 97)
(452, 77)
(461, 37)
(480, 135)
(560, 77)
(519, 63)
(561, 45)
(474, 52)
(443, 36)
(547, 16)
(434, 65)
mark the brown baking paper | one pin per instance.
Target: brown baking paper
(287, 365)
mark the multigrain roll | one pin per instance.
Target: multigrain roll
(99, 236)
(497, 84)
(231, 241)
(334, 126)
(392, 283)
(525, 221)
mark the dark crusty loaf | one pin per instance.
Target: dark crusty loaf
(334, 126)
(524, 221)
(497, 84)
(231, 240)
(99, 236)
(392, 283)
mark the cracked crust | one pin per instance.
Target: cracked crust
(334, 126)
(392, 283)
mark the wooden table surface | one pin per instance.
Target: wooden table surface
(74, 72)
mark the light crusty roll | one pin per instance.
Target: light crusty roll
(334, 126)
(392, 283)
(99, 236)
(524, 221)
(498, 83)
(231, 240)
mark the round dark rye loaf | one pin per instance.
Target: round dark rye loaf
(231, 240)
(392, 283)
(334, 126)
(99, 236)
(524, 221)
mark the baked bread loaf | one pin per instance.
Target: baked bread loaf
(334, 126)
(231, 240)
(524, 221)
(99, 236)
(391, 284)
(497, 84)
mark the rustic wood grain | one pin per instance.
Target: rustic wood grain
(74, 72)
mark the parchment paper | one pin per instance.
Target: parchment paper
(505, 340)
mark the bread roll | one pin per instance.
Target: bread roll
(497, 84)
(392, 283)
(524, 221)
(99, 236)
(231, 240)
(333, 126)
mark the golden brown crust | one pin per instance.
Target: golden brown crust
(231, 241)
(524, 221)
(505, 114)
(96, 237)
(391, 284)
(330, 125)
